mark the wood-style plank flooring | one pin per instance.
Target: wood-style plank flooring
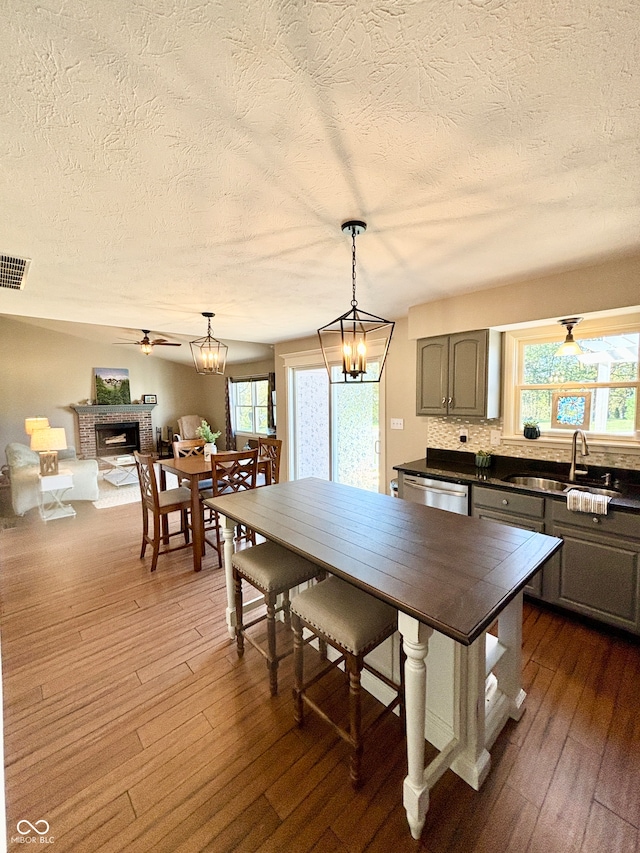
(130, 724)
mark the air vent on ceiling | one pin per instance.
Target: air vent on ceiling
(13, 271)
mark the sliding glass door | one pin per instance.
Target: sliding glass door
(335, 429)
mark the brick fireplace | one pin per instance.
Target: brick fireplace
(89, 416)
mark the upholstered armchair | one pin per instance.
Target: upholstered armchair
(24, 467)
(187, 426)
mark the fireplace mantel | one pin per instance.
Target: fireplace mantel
(89, 416)
(98, 410)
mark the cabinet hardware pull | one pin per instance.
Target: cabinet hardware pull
(505, 502)
(444, 401)
(596, 520)
(450, 401)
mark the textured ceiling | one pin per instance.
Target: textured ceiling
(168, 157)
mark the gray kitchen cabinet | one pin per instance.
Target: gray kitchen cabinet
(597, 572)
(460, 374)
(515, 510)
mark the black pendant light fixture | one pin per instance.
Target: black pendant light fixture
(569, 346)
(209, 354)
(352, 334)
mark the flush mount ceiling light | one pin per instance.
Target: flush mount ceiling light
(569, 346)
(349, 336)
(209, 354)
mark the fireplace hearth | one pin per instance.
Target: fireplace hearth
(116, 439)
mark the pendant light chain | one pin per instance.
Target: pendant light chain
(354, 301)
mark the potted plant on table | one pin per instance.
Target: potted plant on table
(531, 429)
(204, 431)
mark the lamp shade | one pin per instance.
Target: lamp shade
(35, 423)
(569, 346)
(49, 438)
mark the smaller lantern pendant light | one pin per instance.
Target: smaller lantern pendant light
(209, 354)
(353, 331)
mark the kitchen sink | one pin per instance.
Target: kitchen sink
(594, 490)
(546, 484)
(543, 483)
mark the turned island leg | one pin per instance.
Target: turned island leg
(415, 639)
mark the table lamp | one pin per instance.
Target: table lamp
(35, 423)
(48, 442)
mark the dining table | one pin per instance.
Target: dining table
(456, 583)
(193, 469)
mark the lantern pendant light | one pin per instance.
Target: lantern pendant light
(355, 331)
(209, 354)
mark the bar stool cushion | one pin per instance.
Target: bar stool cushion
(273, 568)
(354, 619)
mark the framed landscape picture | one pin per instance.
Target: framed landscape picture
(112, 386)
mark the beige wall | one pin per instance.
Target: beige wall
(44, 372)
(607, 286)
(601, 287)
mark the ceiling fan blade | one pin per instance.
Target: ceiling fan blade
(165, 344)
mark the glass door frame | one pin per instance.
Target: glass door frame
(314, 359)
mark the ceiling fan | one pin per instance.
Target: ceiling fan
(146, 345)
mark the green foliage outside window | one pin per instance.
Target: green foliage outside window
(607, 361)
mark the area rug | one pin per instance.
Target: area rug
(111, 495)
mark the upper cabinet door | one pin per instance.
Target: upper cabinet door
(467, 373)
(460, 374)
(433, 376)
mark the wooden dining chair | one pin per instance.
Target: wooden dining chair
(159, 504)
(271, 449)
(230, 472)
(188, 447)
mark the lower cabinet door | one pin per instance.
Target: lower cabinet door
(598, 577)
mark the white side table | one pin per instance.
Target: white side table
(52, 490)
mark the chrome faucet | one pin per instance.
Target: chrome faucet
(584, 451)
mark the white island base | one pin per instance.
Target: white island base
(458, 697)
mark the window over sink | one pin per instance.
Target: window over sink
(596, 391)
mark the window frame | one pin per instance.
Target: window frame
(253, 381)
(515, 340)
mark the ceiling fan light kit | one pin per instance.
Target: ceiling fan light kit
(146, 344)
(354, 330)
(209, 354)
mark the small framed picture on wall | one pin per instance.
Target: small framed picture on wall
(149, 398)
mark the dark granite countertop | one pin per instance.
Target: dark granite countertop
(459, 467)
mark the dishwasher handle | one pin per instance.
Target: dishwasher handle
(413, 485)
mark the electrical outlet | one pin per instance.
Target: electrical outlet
(464, 435)
(397, 423)
(496, 437)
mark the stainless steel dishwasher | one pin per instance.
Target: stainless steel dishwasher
(453, 497)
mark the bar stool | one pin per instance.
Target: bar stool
(354, 623)
(273, 571)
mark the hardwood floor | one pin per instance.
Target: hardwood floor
(130, 724)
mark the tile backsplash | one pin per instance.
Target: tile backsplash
(444, 433)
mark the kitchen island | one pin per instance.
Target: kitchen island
(451, 578)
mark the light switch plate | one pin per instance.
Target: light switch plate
(397, 423)
(496, 437)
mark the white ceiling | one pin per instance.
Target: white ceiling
(164, 158)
